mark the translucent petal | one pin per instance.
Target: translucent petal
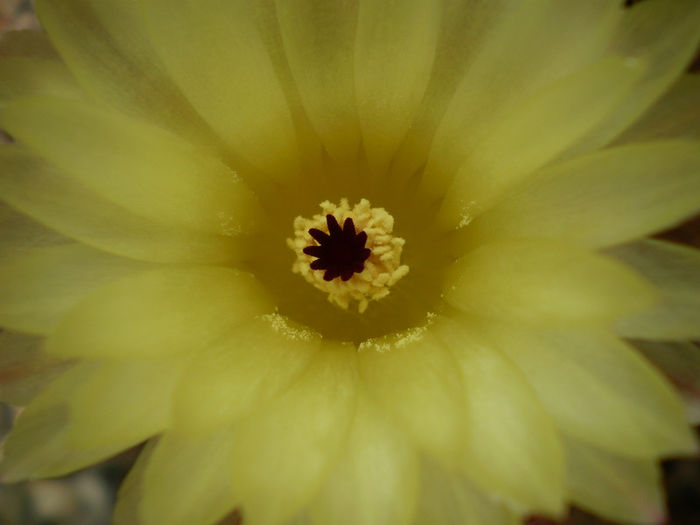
(600, 391)
(544, 284)
(127, 506)
(40, 285)
(675, 115)
(22, 76)
(20, 233)
(557, 115)
(88, 414)
(105, 45)
(226, 72)
(283, 452)
(318, 41)
(449, 499)
(680, 363)
(186, 481)
(605, 198)
(51, 198)
(620, 489)
(152, 172)
(376, 480)
(394, 51)
(24, 369)
(674, 270)
(159, 312)
(232, 377)
(413, 376)
(512, 449)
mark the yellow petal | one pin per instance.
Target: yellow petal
(394, 51)
(376, 480)
(20, 233)
(27, 43)
(413, 376)
(40, 285)
(602, 199)
(675, 115)
(152, 172)
(127, 507)
(600, 391)
(232, 377)
(557, 115)
(282, 453)
(674, 270)
(511, 448)
(613, 487)
(318, 42)
(544, 284)
(24, 369)
(187, 481)
(22, 76)
(51, 198)
(106, 47)
(449, 499)
(159, 312)
(225, 70)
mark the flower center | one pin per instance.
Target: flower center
(363, 254)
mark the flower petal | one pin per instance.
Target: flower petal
(318, 41)
(449, 499)
(225, 70)
(376, 480)
(40, 285)
(20, 233)
(22, 76)
(413, 377)
(394, 51)
(313, 417)
(158, 312)
(512, 448)
(151, 172)
(245, 368)
(202, 496)
(127, 506)
(620, 489)
(39, 190)
(27, 43)
(544, 284)
(600, 391)
(605, 198)
(105, 45)
(674, 270)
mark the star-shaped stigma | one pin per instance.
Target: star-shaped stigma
(341, 252)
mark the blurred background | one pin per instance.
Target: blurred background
(87, 497)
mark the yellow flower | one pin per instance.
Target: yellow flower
(486, 174)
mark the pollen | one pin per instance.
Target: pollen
(357, 262)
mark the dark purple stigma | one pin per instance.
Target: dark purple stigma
(341, 251)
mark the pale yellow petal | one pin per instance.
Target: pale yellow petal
(674, 270)
(151, 172)
(600, 391)
(214, 51)
(27, 43)
(53, 199)
(24, 369)
(106, 47)
(394, 51)
(414, 377)
(247, 367)
(127, 507)
(376, 480)
(675, 115)
(39, 286)
(159, 312)
(187, 481)
(616, 488)
(449, 499)
(284, 451)
(23, 76)
(557, 115)
(512, 448)
(318, 39)
(20, 233)
(605, 198)
(544, 283)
